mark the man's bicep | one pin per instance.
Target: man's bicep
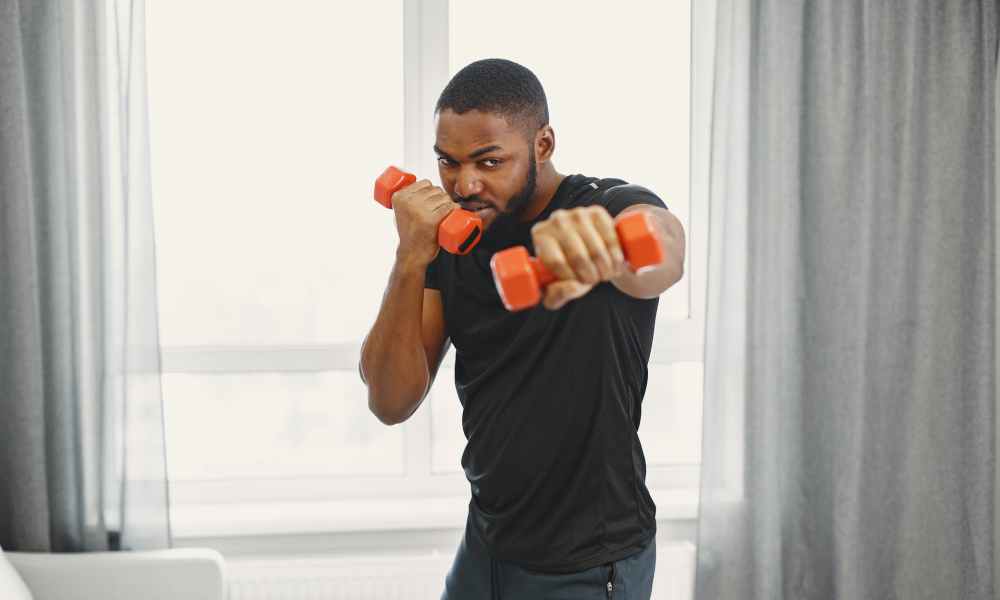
(432, 331)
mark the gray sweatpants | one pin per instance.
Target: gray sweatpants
(475, 575)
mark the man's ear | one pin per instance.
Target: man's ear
(545, 144)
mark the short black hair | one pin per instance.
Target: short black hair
(501, 87)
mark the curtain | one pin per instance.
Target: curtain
(82, 460)
(850, 368)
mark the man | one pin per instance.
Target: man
(551, 395)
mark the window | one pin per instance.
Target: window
(268, 127)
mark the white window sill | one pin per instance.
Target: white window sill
(398, 514)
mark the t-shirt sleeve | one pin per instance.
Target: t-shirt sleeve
(618, 198)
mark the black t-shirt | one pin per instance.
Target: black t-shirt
(551, 404)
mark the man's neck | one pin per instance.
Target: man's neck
(548, 182)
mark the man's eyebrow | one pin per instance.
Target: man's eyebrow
(475, 154)
(485, 150)
(442, 152)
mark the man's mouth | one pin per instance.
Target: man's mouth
(475, 206)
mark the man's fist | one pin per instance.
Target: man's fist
(581, 248)
(419, 209)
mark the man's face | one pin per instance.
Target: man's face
(486, 165)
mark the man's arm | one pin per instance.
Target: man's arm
(581, 248)
(652, 282)
(402, 352)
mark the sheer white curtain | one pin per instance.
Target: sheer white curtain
(81, 422)
(724, 36)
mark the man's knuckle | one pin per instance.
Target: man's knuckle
(562, 217)
(578, 260)
(538, 228)
(549, 259)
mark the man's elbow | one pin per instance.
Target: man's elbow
(384, 416)
(392, 410)
(387, 419)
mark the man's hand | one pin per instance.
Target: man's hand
(419, 209)
(580, 246)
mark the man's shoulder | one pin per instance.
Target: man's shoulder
(611, 192)
(583, 189)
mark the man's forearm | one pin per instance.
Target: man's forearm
(393, 360)
(652, 282)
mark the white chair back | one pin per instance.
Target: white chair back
(12, 587)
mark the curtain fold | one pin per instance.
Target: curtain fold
(82, 459)
(849, 436)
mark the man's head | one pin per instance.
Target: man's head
(492, 133)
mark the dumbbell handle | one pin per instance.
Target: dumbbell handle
(520, 278)
(458, 233)
(542, 273)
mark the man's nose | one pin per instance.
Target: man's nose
(468, 184)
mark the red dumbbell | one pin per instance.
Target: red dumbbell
(458, 233)
(520, 277)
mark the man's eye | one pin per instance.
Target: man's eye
(446, 162)
(492, 163)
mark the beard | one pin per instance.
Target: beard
(508, 221)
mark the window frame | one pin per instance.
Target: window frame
(255, 506)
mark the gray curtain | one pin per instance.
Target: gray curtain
(849, 437)
(82, 462)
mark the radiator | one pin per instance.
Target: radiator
(402, 577)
